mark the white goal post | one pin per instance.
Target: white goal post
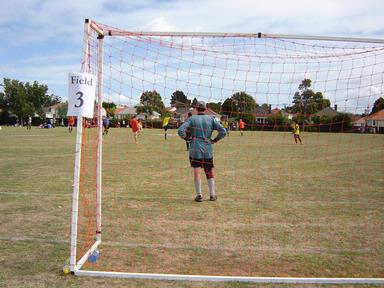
(77, 260)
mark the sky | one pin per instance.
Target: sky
(42, 40)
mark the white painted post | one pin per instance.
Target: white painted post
(99, 168)
(76, 176)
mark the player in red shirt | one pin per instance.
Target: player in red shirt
(241, 126)
(71, 123)
(135, 126)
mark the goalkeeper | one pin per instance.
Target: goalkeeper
(201, 127)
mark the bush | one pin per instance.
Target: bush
(312, 128)
(114, 122)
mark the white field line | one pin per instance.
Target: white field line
(275, 249)
(39, 157)
(162, 134)
(32, 239)
(28, 135)
(186, 198)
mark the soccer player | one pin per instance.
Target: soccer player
(201, 127)
(140, 126)
(241, 126)
(29, 126)
(71, 123)
(296, 132)
(106, 125)
(188, 134)
(135, 126)
(224, 122)
(166, 125)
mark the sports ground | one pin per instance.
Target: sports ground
(312, 210)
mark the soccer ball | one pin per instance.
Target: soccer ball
(66, 270)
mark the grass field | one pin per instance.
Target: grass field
(314, 210)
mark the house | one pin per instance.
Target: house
(360, 122)
(327, 111)
(145, 116)
(261, 114)
(180, 113)
(124, 112)
(287, 115)
(194, 111)
(52, 112)
(375, 122)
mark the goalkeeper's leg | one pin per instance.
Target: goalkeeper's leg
(209, 173)
(197, 181)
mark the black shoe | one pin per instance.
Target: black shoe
(199, 198)
(213, 198)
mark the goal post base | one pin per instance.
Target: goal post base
(84, 259)
(206, 278)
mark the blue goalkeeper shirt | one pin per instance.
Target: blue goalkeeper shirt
(201, 127)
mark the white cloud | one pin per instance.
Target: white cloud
(159, 24)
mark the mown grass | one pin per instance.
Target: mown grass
(314, 210)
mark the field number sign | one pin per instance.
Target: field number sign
(81, 94)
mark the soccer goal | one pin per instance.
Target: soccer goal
(299, 186)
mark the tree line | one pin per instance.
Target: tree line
(239, 105)
(305, 104)
(23, 99)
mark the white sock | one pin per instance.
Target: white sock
(211, 186)
(198, 187)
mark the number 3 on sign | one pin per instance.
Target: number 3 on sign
(80, 98)
(81, 94)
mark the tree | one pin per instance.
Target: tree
(239, 105)
(378, 105)
(194, 102)
(147, 109)
(150, 101)
(306, 101)
(54, 99)
(25, 99)
(214, 106)
(110, 108)
(178, 100)
(62, 110)
(341, 122)
(277, 120)
(266, 106)
(4, 116)
(16, 98)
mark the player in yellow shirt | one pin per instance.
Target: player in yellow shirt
(224, 122)
(166, 125)
(296, 132)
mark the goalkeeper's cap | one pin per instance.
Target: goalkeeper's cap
(201, 105)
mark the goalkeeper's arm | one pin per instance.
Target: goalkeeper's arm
(183, 129)
(220, 129)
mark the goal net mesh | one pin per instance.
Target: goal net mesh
(283, 209)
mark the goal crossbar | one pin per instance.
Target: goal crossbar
(118, 32)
